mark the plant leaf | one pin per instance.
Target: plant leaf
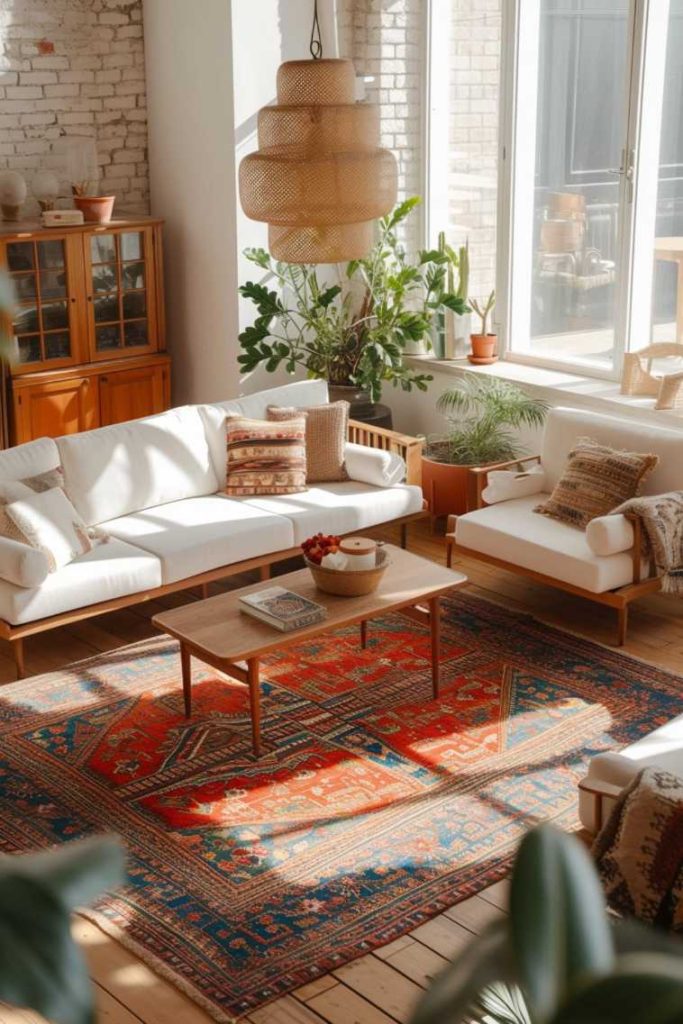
(41, 967)
(558, 921)
(456, 987)
(645, 989)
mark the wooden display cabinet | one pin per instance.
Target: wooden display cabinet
(89, 326)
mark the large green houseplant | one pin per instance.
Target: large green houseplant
(354, 330)
(557, 958)
(483, 415)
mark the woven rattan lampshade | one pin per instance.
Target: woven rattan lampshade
(319, 177)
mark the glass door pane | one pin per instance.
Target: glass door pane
(39, 271)
(119, 301)
(568, 214)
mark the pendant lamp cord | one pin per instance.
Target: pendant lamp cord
(316, 44)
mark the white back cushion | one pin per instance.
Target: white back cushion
(131, 466)
(29, 459)
(564, 426)
(300, 393)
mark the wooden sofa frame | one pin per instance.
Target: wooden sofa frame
(410, 450)
(619, 599)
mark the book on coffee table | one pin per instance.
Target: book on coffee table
(282, 609)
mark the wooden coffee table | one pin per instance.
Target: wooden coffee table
(216, 632)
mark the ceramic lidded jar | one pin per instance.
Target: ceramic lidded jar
(360, 552)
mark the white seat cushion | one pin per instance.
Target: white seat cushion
(120, 469)
(513, 532)
(110, 570)
(662, 748)
(299, 394)
(199, 534)
(343, 507)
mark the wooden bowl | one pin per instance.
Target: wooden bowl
(349, 582)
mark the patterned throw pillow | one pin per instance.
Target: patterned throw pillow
(326, 430)
(48, 521)
(265, 457)
(596, 479)
(16, 490)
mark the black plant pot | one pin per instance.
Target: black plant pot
(362, 407)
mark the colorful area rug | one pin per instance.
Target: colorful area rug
(373, 807)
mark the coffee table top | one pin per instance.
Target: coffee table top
(216, 626)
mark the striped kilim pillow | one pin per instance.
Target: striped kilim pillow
(596, 479)
(265, 457)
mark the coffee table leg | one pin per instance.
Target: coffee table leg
(435, 634)
(255, 700)
(364, 634)
(186, 670)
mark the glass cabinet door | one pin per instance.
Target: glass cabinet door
(44, 325)
(122, 276)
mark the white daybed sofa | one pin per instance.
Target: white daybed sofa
(154, 487)
(601, 563)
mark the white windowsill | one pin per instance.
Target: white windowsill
(559, 387)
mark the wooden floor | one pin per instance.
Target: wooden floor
(379, 988)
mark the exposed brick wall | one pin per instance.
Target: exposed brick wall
(75, 67)
(385, 39)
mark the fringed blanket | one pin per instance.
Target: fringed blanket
(661, 516)
(639, 852)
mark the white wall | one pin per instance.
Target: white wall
(188, 51)
(266, 33)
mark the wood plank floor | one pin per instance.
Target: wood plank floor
(379, 988)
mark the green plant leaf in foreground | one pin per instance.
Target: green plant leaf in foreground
(41, 967)
(645, 989)
(457, 986)
(558, 922)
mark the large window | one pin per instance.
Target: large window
(556, 147)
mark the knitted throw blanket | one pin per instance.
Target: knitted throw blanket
(661, 517)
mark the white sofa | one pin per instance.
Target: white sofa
(601, 563)
(610, 772)
(154, 486)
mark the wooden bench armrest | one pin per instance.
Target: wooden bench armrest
(409, 448)
(599, 788)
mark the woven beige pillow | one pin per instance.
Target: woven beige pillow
(596, 479)
(15, 490)
(326, 430)
(265, 457)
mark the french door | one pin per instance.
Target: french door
(592, 170)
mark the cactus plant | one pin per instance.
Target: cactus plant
(483, 310)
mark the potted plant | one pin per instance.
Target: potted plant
(558, 958)
(482, 412)
(353, 331)
(484, 344)
(453, 327)
(82, 173)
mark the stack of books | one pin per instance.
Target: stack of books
(282, 609)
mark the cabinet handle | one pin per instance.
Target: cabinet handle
(73, 298)
(104, 380)
(90, 298)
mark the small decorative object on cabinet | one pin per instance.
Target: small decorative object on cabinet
(12, 194)
(89, 325)
(638, 377)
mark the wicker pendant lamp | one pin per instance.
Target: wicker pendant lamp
(319, 178)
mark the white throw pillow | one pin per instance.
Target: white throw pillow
(50, 523)
(505, 484)
(373, 466)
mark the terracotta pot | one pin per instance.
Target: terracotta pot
(483, 348)
(449, 489)
(95, 209)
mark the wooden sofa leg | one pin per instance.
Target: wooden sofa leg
(404, 535)
(449, 555)
(622, 625)
(18, 652)
(264, 572)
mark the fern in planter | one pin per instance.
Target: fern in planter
(557, 958)
(484, 413)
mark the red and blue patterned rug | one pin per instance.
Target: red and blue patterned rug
(373, 807)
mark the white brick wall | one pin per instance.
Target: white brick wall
(75, 67)
(385, 39)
